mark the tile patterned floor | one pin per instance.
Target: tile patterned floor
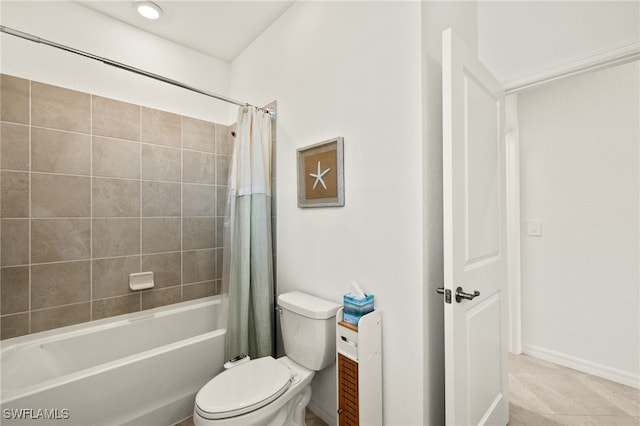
(545, 394)
(310, 419)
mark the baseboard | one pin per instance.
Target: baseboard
(600, 370)
(329, 417)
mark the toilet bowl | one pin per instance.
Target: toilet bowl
(268, 391)
(273, 392)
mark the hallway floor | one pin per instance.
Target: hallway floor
(546, 394)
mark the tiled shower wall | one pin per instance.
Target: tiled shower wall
(93, 189)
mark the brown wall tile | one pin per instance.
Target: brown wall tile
(61, 316)
(116, 237)
(160, 199)
(198, 266)
(224, 139)
(56, 151)
(198, 200)
(14, 325)
(14, 147)
(222, 169)
(166, 268)
(115, 119)
(54, 240)
(60, 195)
(198, 135)
(111, 276)
(198, 233)
(15, 290)
(14, 99)
(59, 108)
(116, 306)
(162, 297)
(196, 291)
(198, 167)
(116, 198)
(14, 192)
(160, 235)
(114, 158)
(54, 284)
(160, 163)
(14, 247)
(162, 128)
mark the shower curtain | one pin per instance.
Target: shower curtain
(247, 256)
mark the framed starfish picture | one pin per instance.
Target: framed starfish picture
(321, 175)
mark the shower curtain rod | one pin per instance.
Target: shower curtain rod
(106, 61)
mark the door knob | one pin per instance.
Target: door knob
(460, 294)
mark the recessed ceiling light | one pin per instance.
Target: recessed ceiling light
(148, 9)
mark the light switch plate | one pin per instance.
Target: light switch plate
(534, 228)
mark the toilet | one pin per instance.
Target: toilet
(269, 391)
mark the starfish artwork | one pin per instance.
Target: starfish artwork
(319, 176)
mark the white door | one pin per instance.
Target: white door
(476, 375)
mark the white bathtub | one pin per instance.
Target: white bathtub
(138, 369)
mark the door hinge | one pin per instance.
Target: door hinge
(446, 292)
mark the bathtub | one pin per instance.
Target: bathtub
(143, 368)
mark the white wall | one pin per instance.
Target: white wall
(579, 159)
(74, 25)
(352, 69)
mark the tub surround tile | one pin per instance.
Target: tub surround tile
(14, 99)
(60, 316)
(111, 307)
(160, 235)
(59, 108)
(115, 198)
(14, 291)
(111, 276)
(116, 237)
(198, 266)
(198, 200)
(222, 169)
(14, 192)
(55, 240)
(160, 199)
(55, 284)
(14, 325)
(115, 158)
(60, 196)
(161, 128)
(162, 297)
(160, 163)
(14, 244)
(204, 289)
(198, 233)
(199, 167)
(115, 119)
(198, 135)
(166, 268)
(94, 189)
(220, 232)
(55, 151)
(14, 147)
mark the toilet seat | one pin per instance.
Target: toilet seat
(243, 389)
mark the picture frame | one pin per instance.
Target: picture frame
(321, 174)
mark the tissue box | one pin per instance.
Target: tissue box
(356, 307)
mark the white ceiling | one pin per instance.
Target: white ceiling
(221, 29)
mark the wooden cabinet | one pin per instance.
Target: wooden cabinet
(359, 370)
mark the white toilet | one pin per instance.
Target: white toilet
(269, 391)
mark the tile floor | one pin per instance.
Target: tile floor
(545, 394)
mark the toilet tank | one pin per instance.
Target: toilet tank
(308, 326)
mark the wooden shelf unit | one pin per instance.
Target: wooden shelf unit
(359, 372)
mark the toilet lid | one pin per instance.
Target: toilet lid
(244, 388)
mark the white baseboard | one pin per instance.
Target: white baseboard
(600, 370)
(329, 417)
